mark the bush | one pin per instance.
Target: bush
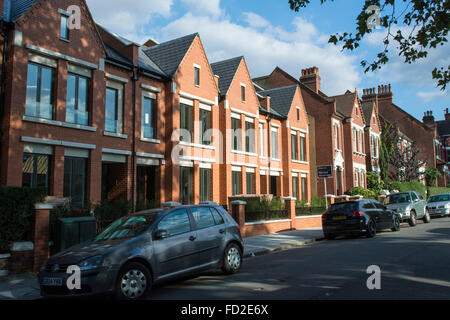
(374, 182)
(408, 186)
(318, 202)
(360, 191)
(109, 211)
(16, 209)
(277, 204)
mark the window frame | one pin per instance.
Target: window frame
(71, 174)
(77, 91)
(34, 174)
(196, 76)
(38, 97)
(153, 113)
(67, 30)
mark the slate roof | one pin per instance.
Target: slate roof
(168, 55)
(368, 107)
(280, 98)
(112, 54)
(226, 70)
(443, 127)
(345, 103)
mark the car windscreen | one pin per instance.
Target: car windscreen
(439, 198)
(397, 198)
(127, 227)
(344, 207)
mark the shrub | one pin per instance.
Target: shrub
(16, 209)
(277, 204)
(318, 202)
(408, 186)
(109, 211)
(300, 204)
(374, 182)
(360, 191)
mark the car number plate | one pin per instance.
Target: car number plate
(339, 218)
(53, 282)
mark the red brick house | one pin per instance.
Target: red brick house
(93, 116)
(354, 124)
(325, 126)
(372, 136)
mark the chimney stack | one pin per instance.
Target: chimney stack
(428, 119)
(447, 115)
(150, 43)
(265, 102)
(310, 77)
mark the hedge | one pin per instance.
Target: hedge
(417, 186)
(16, 209)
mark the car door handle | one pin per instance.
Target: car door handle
(222, 231)
(192, 238)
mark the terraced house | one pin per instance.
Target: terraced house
(93, 116)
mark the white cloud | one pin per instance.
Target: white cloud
(270, 46)
(428, 96)
(417, 73)
(255, 20)
(204, 6)
(125, 17)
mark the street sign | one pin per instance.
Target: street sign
(325, 172)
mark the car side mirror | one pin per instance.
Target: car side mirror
(161, 234)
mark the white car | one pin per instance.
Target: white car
(439, 204)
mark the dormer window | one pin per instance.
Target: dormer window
(197, 75)
(64, 27)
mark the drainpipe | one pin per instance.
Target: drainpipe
(6, 26)
(269, 149)
(135, 79)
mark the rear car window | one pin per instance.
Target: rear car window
(439, 198)
(203, 217)
(397, 198)
(345, 206)
(217, 217)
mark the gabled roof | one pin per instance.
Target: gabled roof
(226, 70)
(169, 55)
(368, 107)
(271, 112)
(345, 103)
(281, 98)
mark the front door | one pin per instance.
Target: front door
(273, 185)
(176, 252)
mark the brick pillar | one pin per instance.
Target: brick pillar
(290, 206)
(196, 183)
(61, 91)
(41, 234)
(257, 181)
(57, 172)
(94, 177)
(244, 180)
(238, 212)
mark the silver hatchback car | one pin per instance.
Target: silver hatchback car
(410, 205)
(145, 248)
(439, 204)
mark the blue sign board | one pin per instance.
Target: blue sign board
(325, 172)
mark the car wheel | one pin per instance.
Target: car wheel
(426, 218)
(232, 260)
(396, 226)
(371, 229)
(412, 219)
(329, 236)
(134, 282)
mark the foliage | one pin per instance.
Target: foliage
(301, 204)
(431, 174)
(16, 209)
(109, 211)
(374, 182)
(438, 190)
(264, 204)
(149, 204)
(360, 191)
(317, 202)
(386, 149)
(408, 186)
(427, 24)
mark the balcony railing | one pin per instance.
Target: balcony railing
(77, 116)
(39, 110)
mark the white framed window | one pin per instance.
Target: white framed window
(274, 142)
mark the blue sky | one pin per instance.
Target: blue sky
(269, 34)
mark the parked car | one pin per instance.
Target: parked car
(145, 248)
(439, 205)
(362, 217)
(410, 205)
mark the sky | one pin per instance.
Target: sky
(268, 34)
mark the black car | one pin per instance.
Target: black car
(362, 217)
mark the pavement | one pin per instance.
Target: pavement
(26, 287)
